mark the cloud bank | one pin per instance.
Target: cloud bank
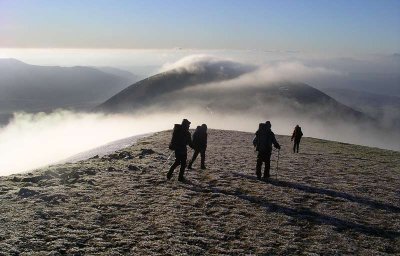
(33, 140)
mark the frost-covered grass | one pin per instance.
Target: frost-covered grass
(332, 198)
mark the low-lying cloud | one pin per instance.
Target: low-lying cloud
(273, 73)
(31, 141)
(199, 63)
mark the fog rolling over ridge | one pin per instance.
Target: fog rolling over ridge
(189, 71)
(222, 93)
(35, 140)
(269, 91)
(274, 91)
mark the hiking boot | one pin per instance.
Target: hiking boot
(203, 167)
(266, 176)
(190, 166)
(181, 179)
(169, 175)
(258, 173)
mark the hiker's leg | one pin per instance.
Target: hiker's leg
(267, 165)
(294, 147)
(297, 146)
(258, 166)
(173, 166)
(183, 159)
(195, 154)
(203, 158)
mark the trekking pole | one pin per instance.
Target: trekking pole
(166, 161)
(277, 165)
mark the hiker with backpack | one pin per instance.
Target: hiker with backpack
(181, 137)
(263, 142)
(199, 145)
(296, 136)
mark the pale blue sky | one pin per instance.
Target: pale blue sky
(343, 26)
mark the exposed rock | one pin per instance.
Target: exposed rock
(54, 198)
(146, 151)
(16, 179)
(112, 169)
(69, 177)
(125, 155)
(118, 156)
(133, 167)
(26, 192)
(52, 174)
(36, 179)
(90, 172)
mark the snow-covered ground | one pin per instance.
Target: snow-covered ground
(105, 149)
(330, 199)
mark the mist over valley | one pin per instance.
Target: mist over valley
(224, 93)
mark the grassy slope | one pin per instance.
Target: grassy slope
(332, 198)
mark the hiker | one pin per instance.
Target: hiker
(296, 136)
(199, 145)
(181, 137)
(263, 142)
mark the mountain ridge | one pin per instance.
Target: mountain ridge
(26, 87)
(175, 88)
(331, 198)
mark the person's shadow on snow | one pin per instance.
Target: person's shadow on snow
(328, 192)
(301, 213)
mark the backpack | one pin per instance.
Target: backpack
(263, 139)
(195, 137)
(175, 136)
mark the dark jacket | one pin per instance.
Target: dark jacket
(297, 133)
(264, 139)
(180, 139)
(200, 139)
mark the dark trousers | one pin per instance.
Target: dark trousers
(263, 157)
(202, 156)
(180, 159)
(296, 146)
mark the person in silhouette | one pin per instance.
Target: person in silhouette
(296, 136)
(199, 145)
(181, 137)
(263, 142)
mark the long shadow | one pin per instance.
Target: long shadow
(332, 193)
(304, 214)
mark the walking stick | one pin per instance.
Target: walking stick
(166, 161)
(277, 165)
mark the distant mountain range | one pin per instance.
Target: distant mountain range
(120, 73)
(32, 88)
(177, 89)
(384, 108)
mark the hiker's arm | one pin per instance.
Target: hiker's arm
(255, 141)
(276, 144)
